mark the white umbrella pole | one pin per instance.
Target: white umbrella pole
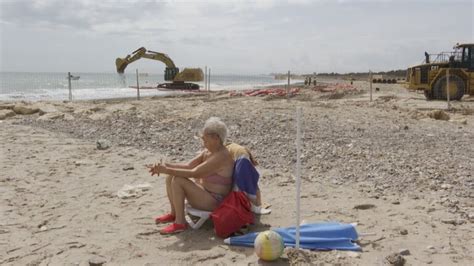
(298, 174)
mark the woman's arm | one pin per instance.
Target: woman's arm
(204, 168)
(189, 165)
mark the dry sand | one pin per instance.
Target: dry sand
(413, 173)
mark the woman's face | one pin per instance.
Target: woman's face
(209, 139)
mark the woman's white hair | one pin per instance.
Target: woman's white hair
(214, 125)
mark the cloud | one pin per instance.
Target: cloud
(75, 15)
(251, 36)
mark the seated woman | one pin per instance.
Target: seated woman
(212, 171)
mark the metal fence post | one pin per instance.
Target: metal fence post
(370, 81)
(138, 87)
(205, 78)
(288, 87)
(209, 81)
(447, 89)
(69, 85)
(298, 174)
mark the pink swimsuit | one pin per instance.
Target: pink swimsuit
(218, 180)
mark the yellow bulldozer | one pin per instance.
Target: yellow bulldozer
(172, 73)
(433, 74)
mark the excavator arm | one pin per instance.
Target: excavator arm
(170, 72)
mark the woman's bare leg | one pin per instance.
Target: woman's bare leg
(169, 193)
(258, 200)
(184, 188)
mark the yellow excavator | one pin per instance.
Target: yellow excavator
(172, 73)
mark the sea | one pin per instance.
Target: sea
(18, 86)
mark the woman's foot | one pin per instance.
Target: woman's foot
(167, 218)
(260, 209)
(173, 229)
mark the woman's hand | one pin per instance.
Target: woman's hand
(152, 170)
(156, 168)
(159, 168)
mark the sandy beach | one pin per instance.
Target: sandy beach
(400, 167)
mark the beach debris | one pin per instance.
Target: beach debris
(269, 91)
(23, 109)
(6, 106)
(470, 216)
(103, 144)
(97, 261)
(462, 121)
(386, 98)
(415, 114)
(46, 108)
(128, 168)
(446, 186)
(82, 162)
(395, 259)
(44, 228)
(439, 115)
(42, 224)
(403, 232)
(5, 113)
(431, 249)
(50, 116)
(453, 221)
(131, 191)
(404, 252)
(364, 206)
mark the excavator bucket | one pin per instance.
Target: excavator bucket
(121, 64)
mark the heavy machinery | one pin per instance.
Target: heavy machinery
(172, 73)
(432, 75)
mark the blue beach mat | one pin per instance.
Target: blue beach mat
(316, 236)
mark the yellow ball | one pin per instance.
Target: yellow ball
(269, 245)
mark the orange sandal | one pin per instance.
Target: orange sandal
(173, 229)
(167, 218)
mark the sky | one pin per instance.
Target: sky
(229, 36)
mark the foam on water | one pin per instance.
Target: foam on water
(54, 86)
(81, 94)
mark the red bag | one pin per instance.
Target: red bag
(233, 213)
